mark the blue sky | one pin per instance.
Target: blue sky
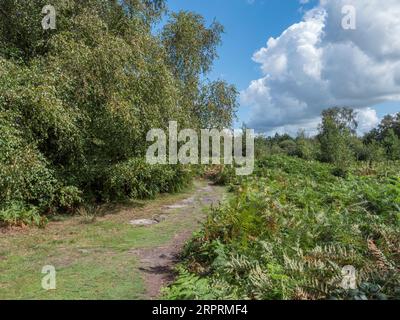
(248, 25)
(247, 28)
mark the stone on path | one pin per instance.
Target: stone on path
(182, 204)
(206, 189)
(176, 206)
(143, 222)
(189, 201)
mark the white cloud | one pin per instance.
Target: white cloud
(367, 119)
(316, 64)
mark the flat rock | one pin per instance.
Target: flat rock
(207, 189)
(143, 222)
(176, 206)
(160, 218)
(208, 200)
(188, 201)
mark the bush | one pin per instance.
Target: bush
(307, 149)
(220, 174)
(137, 179)
(17, 214)
(289, 147)
(68, 198)
(24, 173)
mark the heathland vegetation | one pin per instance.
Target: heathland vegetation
(77, 102)
(314, 210)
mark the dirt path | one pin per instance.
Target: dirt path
(158, 263)
(109, 257)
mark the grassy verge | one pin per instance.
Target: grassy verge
(93, 260)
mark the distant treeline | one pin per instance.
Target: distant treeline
(337, 141)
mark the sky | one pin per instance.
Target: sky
(290, 59)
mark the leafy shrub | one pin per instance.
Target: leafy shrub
(289, 147)
(137, 179)
(68, 198)
(16, 214)
(24, 173)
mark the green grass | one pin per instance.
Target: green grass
(98, 275)
(92, 260)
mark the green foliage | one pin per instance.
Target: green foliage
(191, 48)
(289, 147)
(220, 175)
(291, 228)
(18, 214)
(336, 132)
(389, 122)
(137, 179)
(24, 173)
(68, 198)
(217, 105)
(23, 36)
(191, 287)
(374, 152)
(306, 149)
(76, 103)
(392, 145)
(190, 45)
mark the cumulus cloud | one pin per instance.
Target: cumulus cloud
(367, 119)
(316, 64)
